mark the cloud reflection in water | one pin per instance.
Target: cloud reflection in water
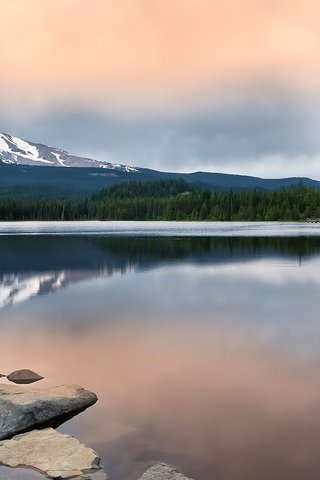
(211, 365)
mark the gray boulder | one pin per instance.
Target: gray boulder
(25, 409)
(50, 452)
(162, 471)
(24, 376)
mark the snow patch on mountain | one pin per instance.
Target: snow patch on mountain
(15, 151)
(61, 162)
(25, 146)
(3, 143)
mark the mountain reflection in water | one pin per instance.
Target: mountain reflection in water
(204, 352)
(31, 266)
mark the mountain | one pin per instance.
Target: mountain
(33, 170)
(15, 151)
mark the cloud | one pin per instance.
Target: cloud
(181, 85)
(262, 131)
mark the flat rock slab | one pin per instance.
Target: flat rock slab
(25, 409)
(162, 471)
(50, 452)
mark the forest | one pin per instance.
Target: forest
(171, 200)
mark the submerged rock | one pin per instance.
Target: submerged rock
(162, 471)
(24, 376)
(50, 452)
(22, 409)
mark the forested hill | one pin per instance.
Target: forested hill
(160, 189)
(171, 200)
(36, 182)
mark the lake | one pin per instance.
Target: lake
(200, 339)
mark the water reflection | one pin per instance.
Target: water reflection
(205, 354)
(31, 266)
(20, 474)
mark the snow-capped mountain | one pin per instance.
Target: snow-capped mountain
(16, 151)
(17, 181)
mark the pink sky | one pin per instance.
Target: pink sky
(164, 59)
(159, 46)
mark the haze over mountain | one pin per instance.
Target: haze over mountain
(35, 170)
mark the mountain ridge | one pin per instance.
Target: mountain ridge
(16, 151)
(26, 173)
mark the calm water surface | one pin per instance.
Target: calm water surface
(199, 229)
(203, 350)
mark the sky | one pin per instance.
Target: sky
(177, 85)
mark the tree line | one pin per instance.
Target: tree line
(171, 200)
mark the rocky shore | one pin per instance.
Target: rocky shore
(28, 439)
(25, 409)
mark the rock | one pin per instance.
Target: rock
(24, 376)
(162, 471)
(25, 409)
(50, 452)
